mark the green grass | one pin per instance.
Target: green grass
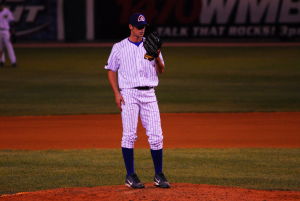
(197, 79)
(248, 168)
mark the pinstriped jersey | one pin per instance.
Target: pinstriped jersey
(133, 70)
(5, 18)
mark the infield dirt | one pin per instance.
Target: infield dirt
(219, 130)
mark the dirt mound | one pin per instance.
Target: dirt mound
(179, 191)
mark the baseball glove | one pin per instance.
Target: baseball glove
(152, 44)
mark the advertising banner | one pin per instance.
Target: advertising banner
(183, 19)
(172, 19)
(34, 19)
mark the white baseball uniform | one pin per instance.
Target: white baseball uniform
(6, 17)
(133, 70)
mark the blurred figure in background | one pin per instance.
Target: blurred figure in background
(6, 20)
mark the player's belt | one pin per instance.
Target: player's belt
(143, 88)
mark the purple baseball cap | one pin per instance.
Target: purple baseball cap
(138, 20)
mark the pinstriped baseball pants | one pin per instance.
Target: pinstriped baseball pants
(143, 104)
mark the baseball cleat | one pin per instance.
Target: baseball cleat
(161, 181)
(132, 181)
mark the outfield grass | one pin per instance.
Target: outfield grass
(198, 79)
(249, 168)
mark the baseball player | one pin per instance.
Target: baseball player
(133, 79)
(6, 18)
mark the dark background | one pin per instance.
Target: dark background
(168, 17)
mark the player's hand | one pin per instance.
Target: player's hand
(119, 101)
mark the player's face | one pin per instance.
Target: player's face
(138, 31)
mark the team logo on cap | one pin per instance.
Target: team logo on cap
(141, 18)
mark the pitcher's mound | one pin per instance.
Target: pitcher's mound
(179, 191)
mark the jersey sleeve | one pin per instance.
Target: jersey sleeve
(161, 57)
(113, 62)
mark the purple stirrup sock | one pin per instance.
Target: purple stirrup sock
(157, 156)
(128, 160)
